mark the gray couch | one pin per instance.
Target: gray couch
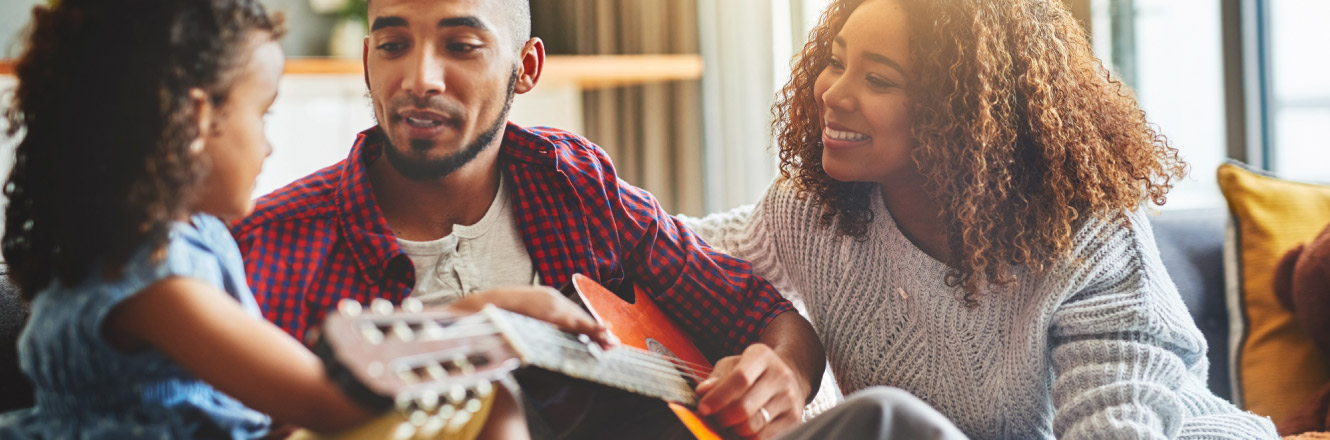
(15, 390)
(1190, 243)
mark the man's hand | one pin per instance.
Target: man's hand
(542, 303)
(755, 394)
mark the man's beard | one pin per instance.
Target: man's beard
(423, 169)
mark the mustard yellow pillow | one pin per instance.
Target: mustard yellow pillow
(1275, 367)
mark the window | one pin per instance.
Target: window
(1242, 79)
(1299, 88)
(1171, 53)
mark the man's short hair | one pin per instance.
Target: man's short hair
(518, 13)
(516, 16)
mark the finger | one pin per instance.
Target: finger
(468, 305)
(778, 413)
(570, 317)
(742, 383)
(542, 303)
(747, 410)
(721, 370)
(738, 382)
(750, 425)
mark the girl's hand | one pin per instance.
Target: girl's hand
(206, 331)
(541, 303)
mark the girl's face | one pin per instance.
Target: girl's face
(866, 122)
(233, 134)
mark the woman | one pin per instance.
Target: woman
(960, 213)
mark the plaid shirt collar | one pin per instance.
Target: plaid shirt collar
(365, 229)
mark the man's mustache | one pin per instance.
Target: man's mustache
(449, 109)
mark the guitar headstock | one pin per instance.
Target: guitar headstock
(432, 365)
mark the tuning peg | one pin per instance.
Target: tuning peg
(446, 412)
(472, 405)
(482, 389)
(404, 431)
(432, 428)
(456, 395)
(462, 364)
(371, 333)
(403, 403)
(428, 401)
(413, 305)
(436, 371)
(418, 418)
(381, 306)
(349, 308)
(403, 332)
(429, 329)
(459, 420)
(409, 377)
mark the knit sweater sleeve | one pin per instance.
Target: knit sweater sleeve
(1128, 361)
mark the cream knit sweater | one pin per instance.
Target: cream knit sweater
(1099, 346)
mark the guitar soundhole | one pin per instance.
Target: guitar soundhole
(658, 348)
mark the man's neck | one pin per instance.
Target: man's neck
(427, 210)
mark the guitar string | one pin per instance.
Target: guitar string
(651, 354)
(638, 357)
(648, 358)
(694, 369)
(667, 375)
(632, 355)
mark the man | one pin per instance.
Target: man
(443, 200)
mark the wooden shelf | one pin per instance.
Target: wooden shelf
(586, 71)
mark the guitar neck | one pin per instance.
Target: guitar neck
(541, 345)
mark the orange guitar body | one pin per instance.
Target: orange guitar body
(641, 324)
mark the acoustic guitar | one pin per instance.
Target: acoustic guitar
(435, 367)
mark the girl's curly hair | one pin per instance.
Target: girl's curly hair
(103, 108)
(1021, 132)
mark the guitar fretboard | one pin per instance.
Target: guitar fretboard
(541, 345)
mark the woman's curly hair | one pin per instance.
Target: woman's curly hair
(102, 104)
(1021, 134)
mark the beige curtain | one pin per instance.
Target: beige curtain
(652, 132)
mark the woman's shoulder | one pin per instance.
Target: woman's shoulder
(787, 201)
(1126, 231)
(1113, 248)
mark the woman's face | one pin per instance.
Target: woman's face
(866, 123)
(234, 139)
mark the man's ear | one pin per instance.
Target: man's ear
(533, 60)
(202, 106)
(364, 63)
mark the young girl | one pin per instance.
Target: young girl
(961, 216)
(142, 123)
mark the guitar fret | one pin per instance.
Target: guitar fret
(541, 345)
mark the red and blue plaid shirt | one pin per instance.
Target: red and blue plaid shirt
(322, 238)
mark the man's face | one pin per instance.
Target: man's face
(441, 75)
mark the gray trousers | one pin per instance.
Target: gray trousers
(879, 413)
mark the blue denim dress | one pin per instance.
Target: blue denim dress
(86, 389)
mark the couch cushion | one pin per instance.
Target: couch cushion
(1277, 366)
(1191, 244)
